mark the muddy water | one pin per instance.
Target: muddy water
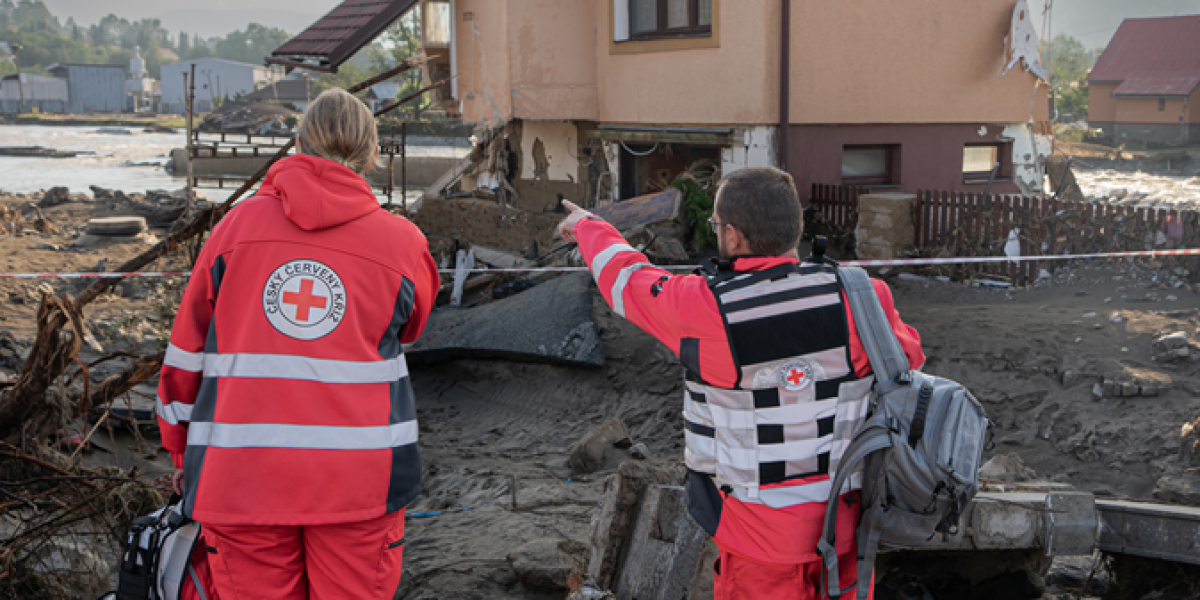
(133, 162)
(1152, 191)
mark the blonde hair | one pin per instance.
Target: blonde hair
(340, 128)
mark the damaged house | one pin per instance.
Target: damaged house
(605, 100)
(601, 101)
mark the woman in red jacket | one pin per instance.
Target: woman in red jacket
(285, 396)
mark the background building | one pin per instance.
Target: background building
(216, 80)
(93, 88)
(25, 91)
(1145, 88)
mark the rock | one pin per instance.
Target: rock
(1007, 467)
(639, 451)
(1189, 443)
(1172, 298)
(1116, 317)
(587, 454)
(1178, 489)
(1074, 572)
(54, 197)
(1098, 391)
(541, 565)
(47, 246)
(1173, 355)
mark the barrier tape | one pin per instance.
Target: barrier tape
(904, 262)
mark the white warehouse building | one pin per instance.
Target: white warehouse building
(215, 79)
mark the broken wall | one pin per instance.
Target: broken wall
(1031, 145)
(753, 146)
(484, 222)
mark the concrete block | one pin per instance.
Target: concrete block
(1000, 525)
(587, 454)
(1070, 524)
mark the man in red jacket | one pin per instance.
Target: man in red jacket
(284, 395)
(776, 381)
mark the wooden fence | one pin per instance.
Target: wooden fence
(949, 224)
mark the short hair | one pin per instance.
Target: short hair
(762, 204)
(340, 128)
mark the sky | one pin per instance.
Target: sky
(1092, 21)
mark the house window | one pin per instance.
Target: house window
(1162, 104)
(435, 24)
(980, 159)
(650, 19)
(870, 165)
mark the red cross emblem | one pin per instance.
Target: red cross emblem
(305, 300)
(795, 376)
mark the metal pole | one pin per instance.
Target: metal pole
(785, 57)
(20, 84)
(391, 165)
(404, 166)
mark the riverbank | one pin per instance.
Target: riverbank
(113, 120)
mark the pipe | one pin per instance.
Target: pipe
(785, 55)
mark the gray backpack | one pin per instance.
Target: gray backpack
(920, 449)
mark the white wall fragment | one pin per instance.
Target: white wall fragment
(1021, 43)
(753, 146)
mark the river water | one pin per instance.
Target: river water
(1151, 191)
(132, 163)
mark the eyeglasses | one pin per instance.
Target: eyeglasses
(715, 225)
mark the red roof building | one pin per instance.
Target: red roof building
(1146, 85)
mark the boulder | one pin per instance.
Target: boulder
(54, 197)
(1180, 489)
(587, 454)
(541, 565)
(1007, 467)
(1171, 341)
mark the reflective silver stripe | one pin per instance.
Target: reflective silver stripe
(313, 437)
(282, 366)
(618, 288)
(173, 413)
(606, 255)
(182, 359)
(782, 308)
(797, 494)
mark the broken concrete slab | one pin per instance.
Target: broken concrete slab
(614, 517)
(550, 323)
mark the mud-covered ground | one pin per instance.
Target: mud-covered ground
(495, 434)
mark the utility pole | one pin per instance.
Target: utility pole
(20, 84)
(189, 88)
(404, 166)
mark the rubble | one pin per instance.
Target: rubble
(541, 565)
(1007, 467)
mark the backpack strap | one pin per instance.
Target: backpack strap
(888, 360)
(874, 437)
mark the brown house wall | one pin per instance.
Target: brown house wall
(930, 155)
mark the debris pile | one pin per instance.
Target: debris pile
(258, 118)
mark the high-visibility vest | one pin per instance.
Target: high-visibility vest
(797, 401)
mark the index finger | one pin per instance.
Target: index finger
(571, 206)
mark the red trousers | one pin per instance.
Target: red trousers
(343, 560)
(739, 578)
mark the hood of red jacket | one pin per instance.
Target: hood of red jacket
(318, 193)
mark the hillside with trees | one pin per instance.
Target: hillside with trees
(40, 39)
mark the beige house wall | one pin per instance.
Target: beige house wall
(1102, 106)
(1145, 110)
(881, 61)
(555, 60)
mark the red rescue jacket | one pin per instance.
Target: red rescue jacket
(678, 308)
(284, 394)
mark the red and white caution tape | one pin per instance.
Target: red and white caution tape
(906, 262)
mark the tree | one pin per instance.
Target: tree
(402, 41)
(184, 45)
